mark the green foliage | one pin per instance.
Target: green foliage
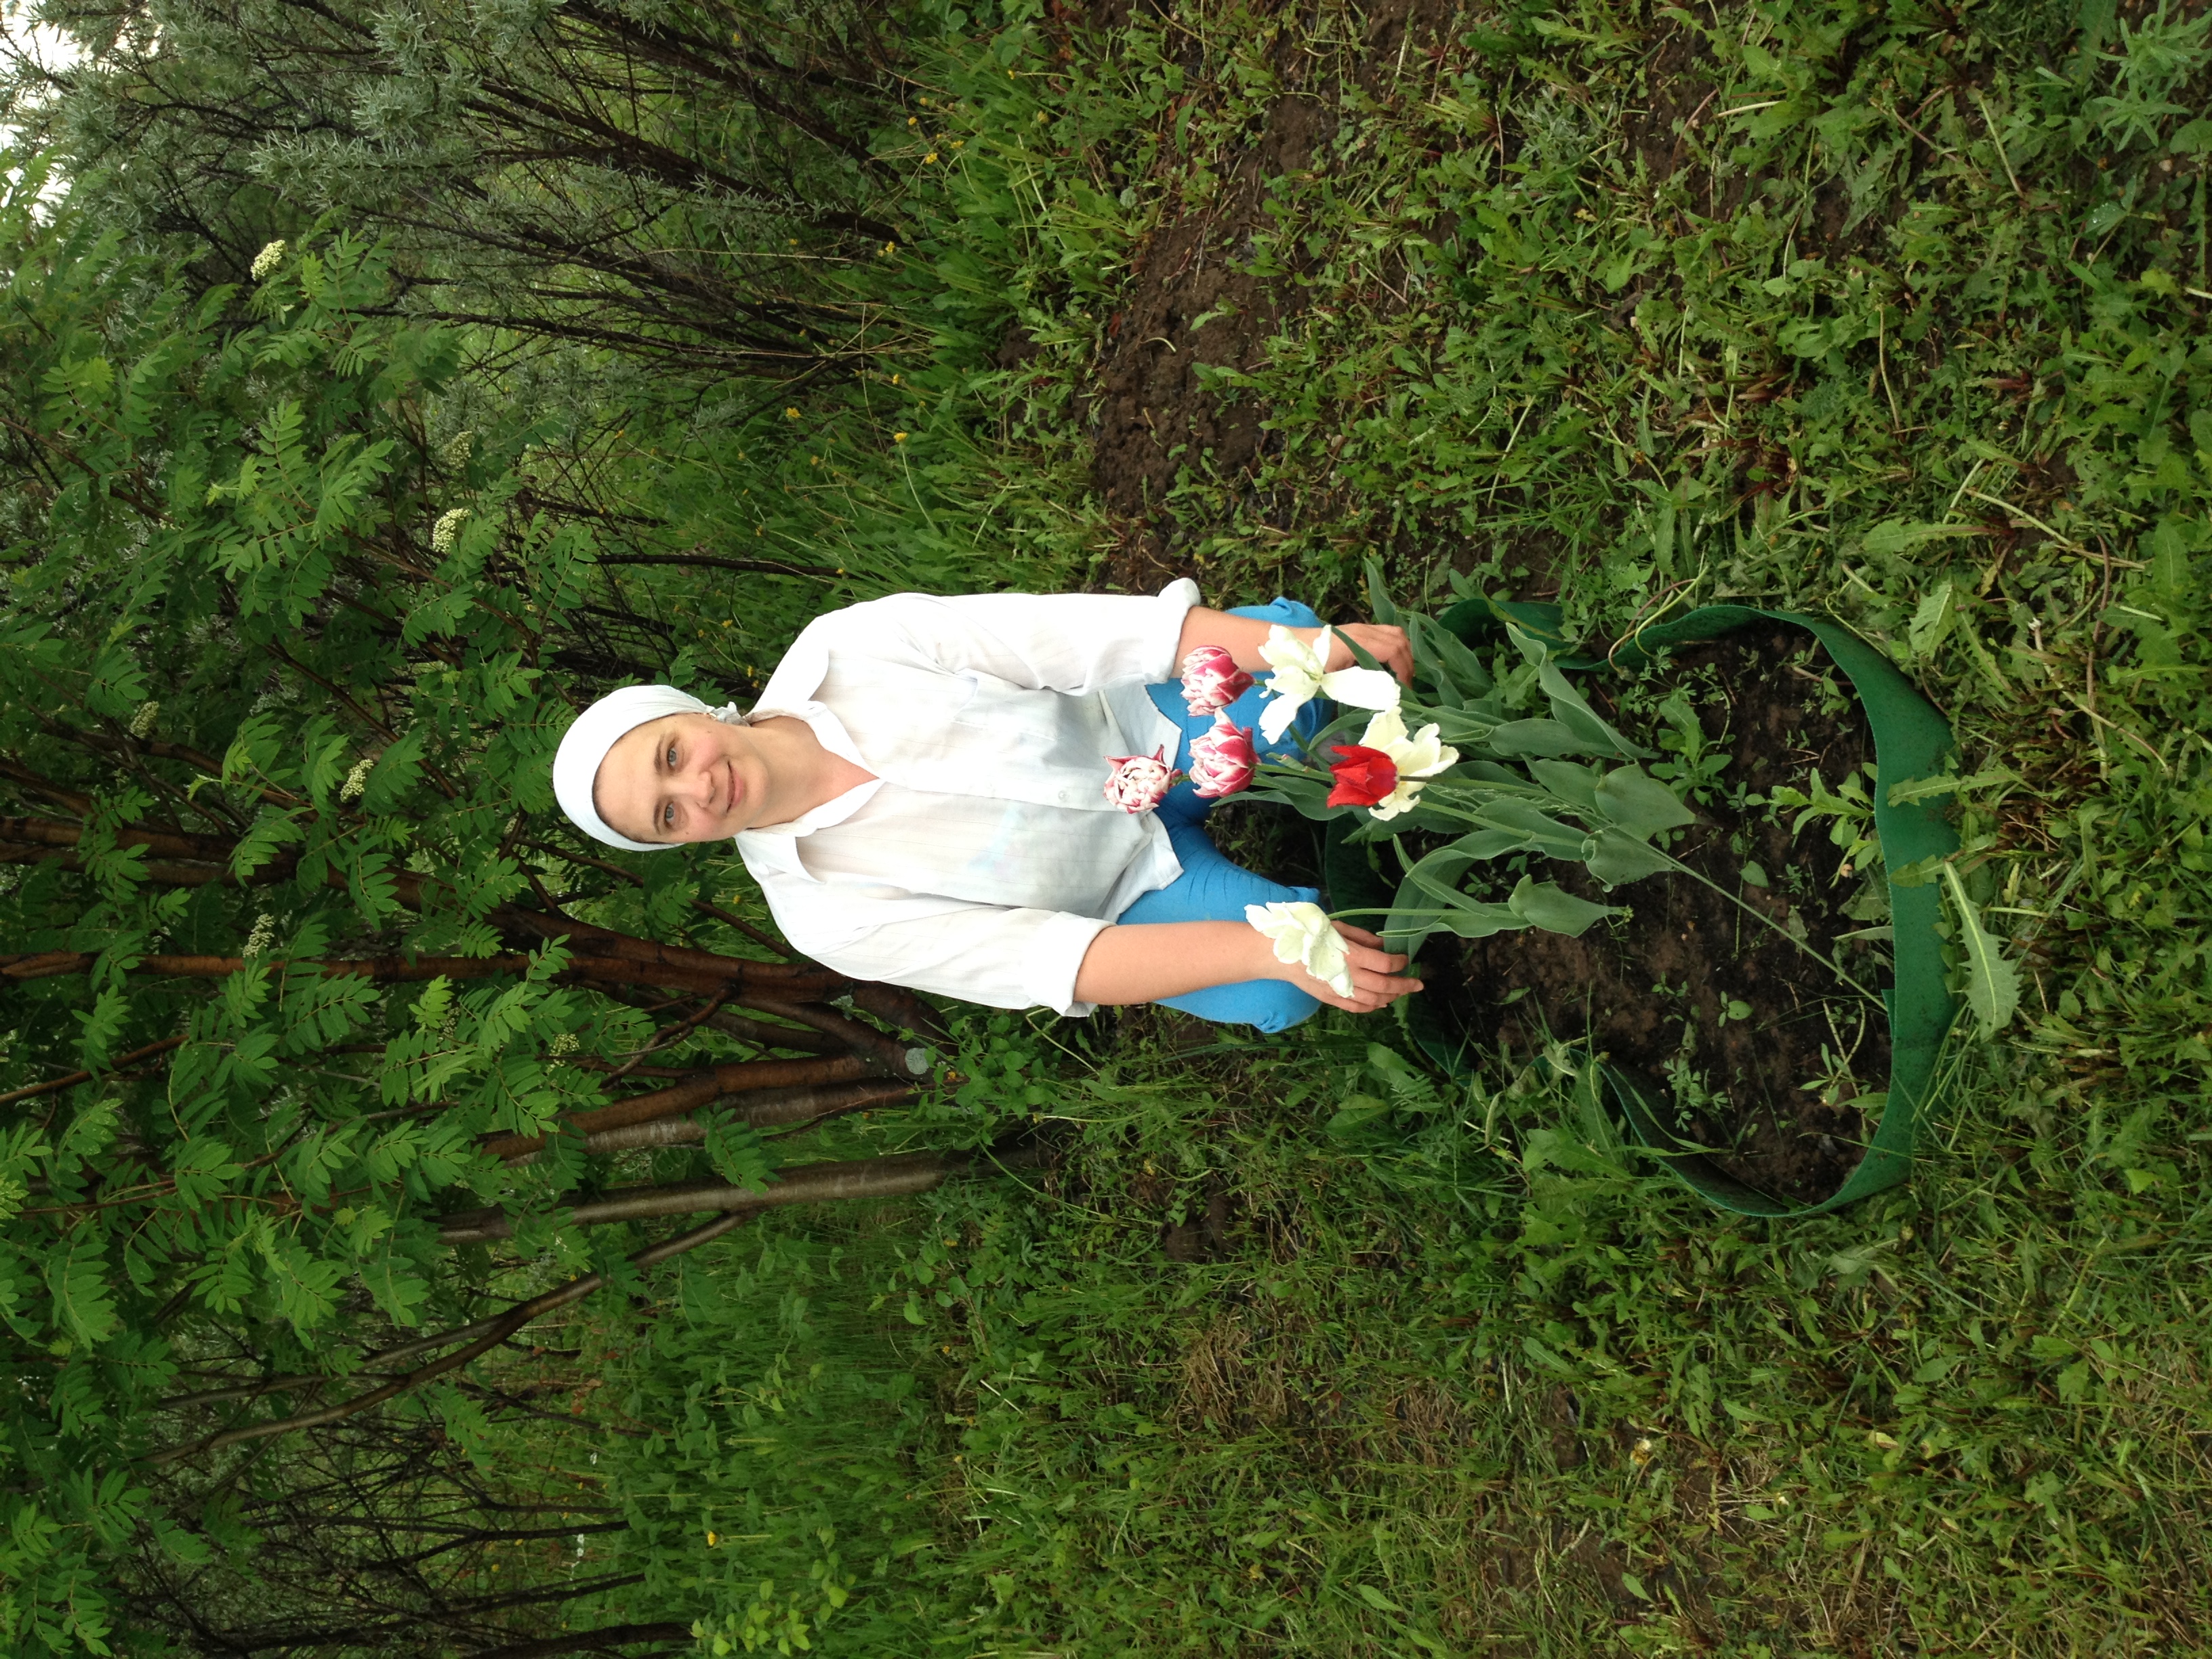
(774, 1482)
(1896, 315)
(231, 617)
(1992, 982)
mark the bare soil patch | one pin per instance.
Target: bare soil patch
(1193, 300)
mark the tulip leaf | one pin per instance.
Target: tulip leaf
(1428, 900)
(1476, 724)
(1308, 797)
(1453, 662)
(1573, 711)
(1482, 771)
(1639, 803)
(1536, 650)
(1992, 983)
(1536, 738)
(1616, 857)
(1378, 595)
(1474, 920)
(1543, 832)
(1550, 907)
(1489, 843)
(1575, 784)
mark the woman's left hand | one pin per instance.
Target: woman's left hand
(1388, 645)
(1378, 978)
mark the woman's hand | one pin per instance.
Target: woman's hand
(1388, 645)
(1378, 978)
(1242, 636)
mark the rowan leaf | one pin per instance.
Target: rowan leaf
(76, 1277)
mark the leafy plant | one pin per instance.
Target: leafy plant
(1518, 792)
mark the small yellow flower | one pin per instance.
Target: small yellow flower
(713, 1539)
(895, 380)
(790, 414)
(958, 143)
(913, 120)
(898, 437)
(932, 156)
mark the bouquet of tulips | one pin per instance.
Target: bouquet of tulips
(1449, 756)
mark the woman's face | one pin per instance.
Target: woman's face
(683, 777)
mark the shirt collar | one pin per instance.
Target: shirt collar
(830, 732)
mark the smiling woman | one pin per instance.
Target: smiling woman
(938, 792)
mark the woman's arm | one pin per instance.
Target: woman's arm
(1143, 962)
(1242, 636)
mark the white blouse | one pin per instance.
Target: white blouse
(984, 857)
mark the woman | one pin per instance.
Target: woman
(918, 792)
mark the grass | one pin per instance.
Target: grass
(1899, 316)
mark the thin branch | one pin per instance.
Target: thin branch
(497, 1331)
(744, 566)
(75, 1078)
(603, 1640)
(898, 1175)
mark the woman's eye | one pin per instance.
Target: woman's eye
(671, 757)
(668, 816)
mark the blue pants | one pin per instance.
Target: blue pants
(1211, 888)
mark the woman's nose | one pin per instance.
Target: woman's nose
(703, 778)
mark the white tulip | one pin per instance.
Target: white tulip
(1303, 933)
(1302, 673)
(1420, 757)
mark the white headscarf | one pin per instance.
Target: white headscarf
(597, 730)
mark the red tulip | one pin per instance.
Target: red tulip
(1363, 776)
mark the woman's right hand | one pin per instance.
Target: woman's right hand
(1378, 978)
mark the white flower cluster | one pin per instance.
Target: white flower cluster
(448, 526)
(457, 449)
(565, 1044)
(263, 936)
(142, 720)
(357, 779)
(268, 260)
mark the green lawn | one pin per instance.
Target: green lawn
(1898, 317)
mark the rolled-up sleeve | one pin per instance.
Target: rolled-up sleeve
(1073, 642)
(999, 956)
